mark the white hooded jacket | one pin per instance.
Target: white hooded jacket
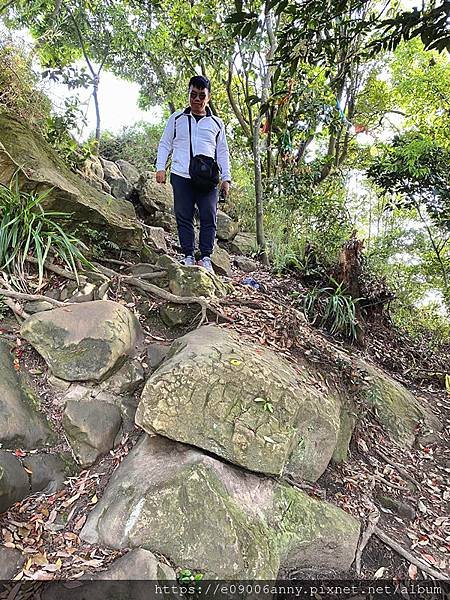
(208, 137)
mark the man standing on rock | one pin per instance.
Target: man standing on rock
(199, 150)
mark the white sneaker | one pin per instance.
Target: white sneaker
(188, 261)
(206, 263)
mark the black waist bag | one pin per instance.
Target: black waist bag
(203, 170)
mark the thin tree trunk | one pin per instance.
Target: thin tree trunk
(259, 199)
(97, 116)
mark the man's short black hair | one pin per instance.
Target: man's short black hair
(200, 82)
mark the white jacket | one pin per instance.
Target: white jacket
(208, 135)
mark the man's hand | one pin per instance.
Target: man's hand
(160, 177)
(225, 187)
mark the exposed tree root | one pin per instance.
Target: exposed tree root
(372, 521)
(164, 294)
(410, 557)
(30, 297)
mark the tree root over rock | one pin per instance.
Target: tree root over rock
(164, 294)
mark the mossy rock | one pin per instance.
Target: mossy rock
(246, 404)
(396, 408)
(196, 281)
(186, 497)
(39, 168)
(22, 423)
(89, 341)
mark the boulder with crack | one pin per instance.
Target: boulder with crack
(87, 341)
(244, 403)
(172, 500)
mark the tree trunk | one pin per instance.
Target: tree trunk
(349, 274)
(97, 116)
(260, 238)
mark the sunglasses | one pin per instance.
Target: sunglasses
(200, 95)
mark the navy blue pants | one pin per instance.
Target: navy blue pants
(186, 197)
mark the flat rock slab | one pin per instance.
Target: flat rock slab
(85, 341)
(205, 515)
(242, 402)
(39, 167)
(21, 423)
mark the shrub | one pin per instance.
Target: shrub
(26, 228)
(332, 308)
(138, 144)
(19, 91)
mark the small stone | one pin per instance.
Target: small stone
(156, 354)
(245, 264)
(85, 294)
(91, 427)
(156, 238)
(37, 306)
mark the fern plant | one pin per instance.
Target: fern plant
(26, 228)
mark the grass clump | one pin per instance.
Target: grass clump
(28, 229)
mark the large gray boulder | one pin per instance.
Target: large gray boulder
(21, 423)
(39, 167)
(396, 408)
(211, 517)
(86, 341)
(242, 402)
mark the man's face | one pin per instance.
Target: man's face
(198, 99)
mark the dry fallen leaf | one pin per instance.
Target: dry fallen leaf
(379, 573)
(412, 571)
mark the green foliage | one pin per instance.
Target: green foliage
(300, 214)
(415, 170)
(19, 92)
(429, 324)
(332, 308)
(97, 241)
(138, 144)
(26, 228)
(187, 576)
(58, 134)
